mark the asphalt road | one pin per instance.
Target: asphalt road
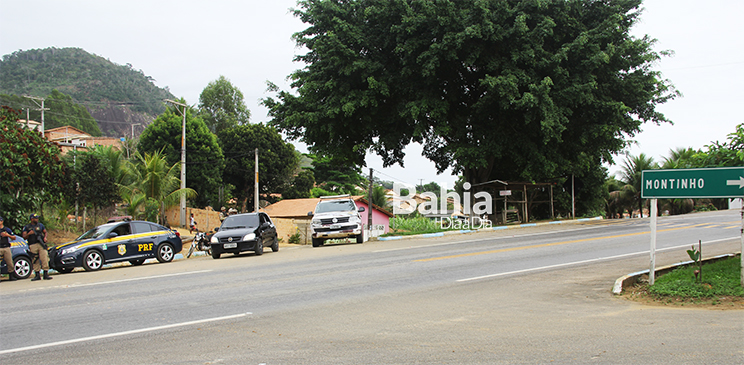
(530, 295)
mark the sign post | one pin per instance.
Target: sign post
(720, 182)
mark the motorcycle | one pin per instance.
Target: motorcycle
(201, 243)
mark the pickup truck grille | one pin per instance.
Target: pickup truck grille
(326, 221)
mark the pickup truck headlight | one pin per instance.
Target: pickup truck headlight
(355, 219)
(249, 237)
(214, 240)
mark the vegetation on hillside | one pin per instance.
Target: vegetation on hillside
(87, 79)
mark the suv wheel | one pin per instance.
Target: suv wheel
(360, 238)
(317, 242)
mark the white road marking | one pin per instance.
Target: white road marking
(117, 334)
(120, 281)
(585, 261)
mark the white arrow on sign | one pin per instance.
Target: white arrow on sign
(739, 182)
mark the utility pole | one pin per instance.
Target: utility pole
(183, 163)
(36, 100)
(573, 198)
(369, 213)
(255, 186)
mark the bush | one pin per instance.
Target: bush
(415, 225)
(295, 238)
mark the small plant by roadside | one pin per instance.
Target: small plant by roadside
(295, 238)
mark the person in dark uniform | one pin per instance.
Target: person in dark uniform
(35, 233)
(6, 235)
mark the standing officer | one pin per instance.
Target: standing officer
(223, 214)
(35, 233)
(6, 235)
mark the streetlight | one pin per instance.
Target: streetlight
(183, 162)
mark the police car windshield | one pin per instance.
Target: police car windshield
(97, 232)
(240, 221)
(340, 205)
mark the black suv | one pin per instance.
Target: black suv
(244, 232)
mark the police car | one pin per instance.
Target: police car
(133, 241)
(21, 258)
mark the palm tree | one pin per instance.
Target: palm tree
(379, 197)
(631, 175)
(681, 158)
(114, 159)
(150, 175)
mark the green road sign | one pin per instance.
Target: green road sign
(718, 182)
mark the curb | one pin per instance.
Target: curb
(498, 228)
(628, 280)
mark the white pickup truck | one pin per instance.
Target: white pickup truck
(336, 217)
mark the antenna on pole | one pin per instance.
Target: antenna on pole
(36, 100)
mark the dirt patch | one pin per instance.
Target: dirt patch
(58, 237)
(639, 293)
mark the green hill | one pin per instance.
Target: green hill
(117, 96)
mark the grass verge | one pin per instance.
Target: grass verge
(720, 287)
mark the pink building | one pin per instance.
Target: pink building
(380, 217)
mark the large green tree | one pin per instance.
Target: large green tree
(204, 158)
(276, 163)
(31, 171)
(91, 181)
(221, 105)
(727, 153)
(515, 89)
(336, 175)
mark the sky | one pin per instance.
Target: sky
(186, 44)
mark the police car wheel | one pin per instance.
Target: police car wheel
(65, 270)
(165, 253)
(92, 260)
(22, 267)
(215, 255)
(137, 262)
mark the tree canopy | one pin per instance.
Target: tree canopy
(31, 171)
(221, 105)
(514, 89)
(276, 163)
